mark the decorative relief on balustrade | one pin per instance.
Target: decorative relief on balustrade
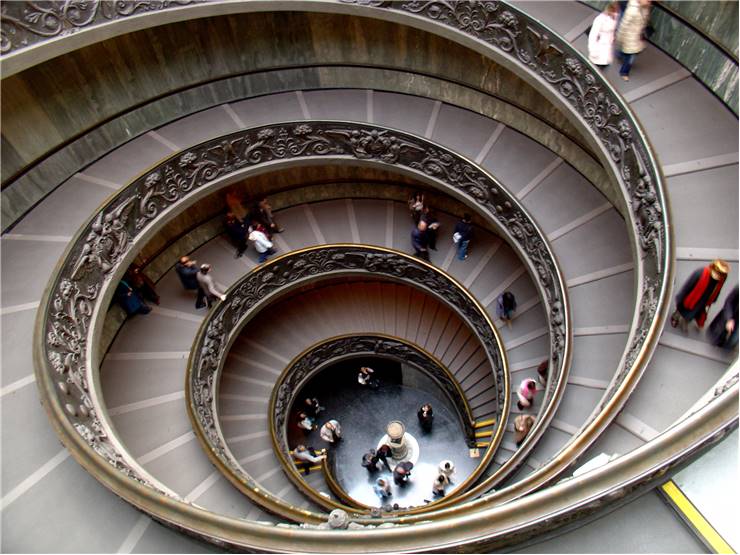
(24, 24)
(546, 55)
(317, 358)
(102, 244)
(226, 319)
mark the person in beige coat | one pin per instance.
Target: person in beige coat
(634, 21)
(522, 425)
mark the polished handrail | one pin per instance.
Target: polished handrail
(336, 488)
(543, 58)
(278, 277)
(571, 81)
(315, 358)
(73, 303)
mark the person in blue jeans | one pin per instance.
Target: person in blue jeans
(462, 234)
(631, 34)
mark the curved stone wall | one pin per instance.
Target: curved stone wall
(62, 101)
(43, 177)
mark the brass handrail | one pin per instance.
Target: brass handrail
(337, 489)
(102, 248)
(275, 278)
(543, 58)
(286, 395)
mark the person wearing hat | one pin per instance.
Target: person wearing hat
(698, 293)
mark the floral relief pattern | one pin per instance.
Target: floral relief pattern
(110, 236)
(227, 318)
(318, 357)
(23, 24)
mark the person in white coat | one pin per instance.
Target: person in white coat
(601, 37)
(261, 243)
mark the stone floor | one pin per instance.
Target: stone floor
(364, 420)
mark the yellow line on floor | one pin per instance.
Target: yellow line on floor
(695, 518)
(484, 434)
(483, 444)
(484, 423)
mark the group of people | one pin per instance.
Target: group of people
(426, 226)
(624, 23)
(134, 290)
(698, 293)
(526, 394)
(200, 279)
(402, 475)
(331, 432)
(377, 459)
(256, 225)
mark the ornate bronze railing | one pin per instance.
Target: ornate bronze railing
(69, 312)
(550, 63)
(258, 288)
(72, 309)
(316, 358)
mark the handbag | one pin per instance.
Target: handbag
(456, 237)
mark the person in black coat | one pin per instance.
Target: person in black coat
(187, 270)
(419, 240)
(429, 218)
(238, 232)
(130, 300)
(370, 461)
(462, 235)
(723, 329)
(383, 452)
(402, 472)
(426, 417)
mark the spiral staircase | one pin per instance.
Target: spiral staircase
(150, 481)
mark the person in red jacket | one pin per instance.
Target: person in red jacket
(698, 293)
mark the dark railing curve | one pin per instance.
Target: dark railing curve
(532, 51)
(313, 360)
(552, 65)
(257, 289)
(96, 258)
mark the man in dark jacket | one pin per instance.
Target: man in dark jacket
(462, 235)
(723, 329)
(402, 472)
(383, 453)
(187, 270)
(419, 240)
(237, 231)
